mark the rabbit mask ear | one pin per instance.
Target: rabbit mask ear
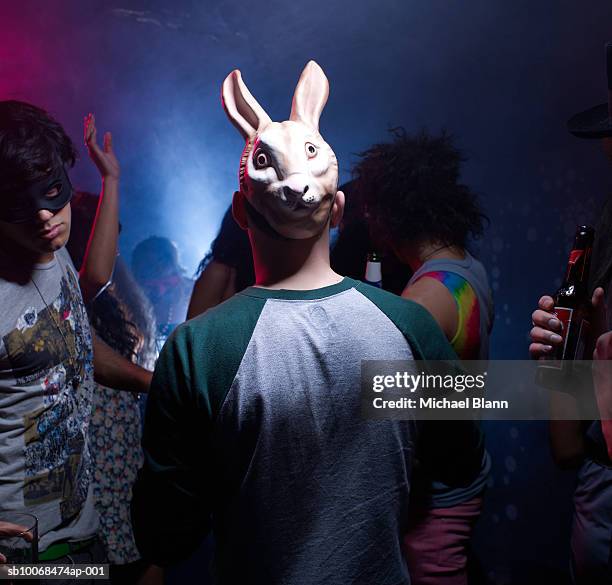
(310, 96)
(241, 107)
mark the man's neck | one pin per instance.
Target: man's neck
(17, 263)
(45, 258)
(292, 264)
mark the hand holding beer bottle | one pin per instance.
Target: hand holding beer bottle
(546, 334)
(564, 327)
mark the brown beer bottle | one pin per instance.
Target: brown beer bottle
(572, 301)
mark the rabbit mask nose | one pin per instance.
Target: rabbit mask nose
(297, 190)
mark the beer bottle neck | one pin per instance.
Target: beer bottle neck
(578, 266)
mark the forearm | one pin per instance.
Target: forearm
(114, 371)
(101, 249)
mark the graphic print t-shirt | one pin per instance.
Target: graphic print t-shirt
(46, 385)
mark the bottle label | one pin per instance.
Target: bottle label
(584, 335)
(565, 316)
(373, 274)
(574, 343)
(575, 256)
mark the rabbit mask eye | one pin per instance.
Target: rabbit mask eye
(311, 150)
(261, 159)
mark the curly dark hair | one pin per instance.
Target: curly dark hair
(108, 315)
(411, 190)
(31, 142)
(84, 206)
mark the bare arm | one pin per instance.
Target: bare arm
(438, 300)
(101, 251)
(114, 371)
(214, 285)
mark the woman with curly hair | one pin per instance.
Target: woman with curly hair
(123, 317)
(417, 206)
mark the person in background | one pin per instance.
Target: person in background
(115, 428)
(225, 270)
(156, 267)
(355, 239)
(122, 316)
(587, 445)
(418, 208)
(353, 242)
(47, 355)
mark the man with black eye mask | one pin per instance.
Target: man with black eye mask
(46, 346)
(52, 192)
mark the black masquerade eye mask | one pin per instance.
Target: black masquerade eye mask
(21, 205)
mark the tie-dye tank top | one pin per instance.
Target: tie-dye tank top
(466, 341)
(468, 283)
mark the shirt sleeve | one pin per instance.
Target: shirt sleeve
(170, 505)
(173, 499)
(466, 340)
(449, 451)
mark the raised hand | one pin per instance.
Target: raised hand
(104, 158)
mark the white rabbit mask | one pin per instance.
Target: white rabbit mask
(288, 173)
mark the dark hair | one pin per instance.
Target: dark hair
(155, 257)
(84, 206)
(31, 142)
(121, 314)
(232, 248)
(411, 190)
(124, 318)
(349, 254)
(108, 316)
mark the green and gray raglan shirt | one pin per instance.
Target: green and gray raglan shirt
(253, 429)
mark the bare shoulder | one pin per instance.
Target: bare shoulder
(210, 288)
(438, 300)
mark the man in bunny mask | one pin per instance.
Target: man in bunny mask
(288, 174)
(253, 424)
